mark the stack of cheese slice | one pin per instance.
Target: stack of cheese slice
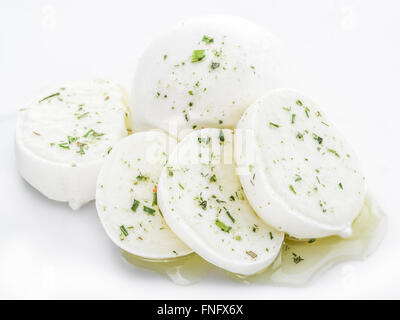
(228, 196)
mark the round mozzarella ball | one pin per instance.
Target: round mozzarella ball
(203, 73)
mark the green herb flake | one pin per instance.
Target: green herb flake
(88, 133)
(83, 115)
(214, 65)
(154, 203)
(64, 145)
(135, 205)
(141, 177)
(293, 117)
(271, 236)
(124, 231)
(317, 138)
(207, 39)
(213, 178)
(170, 172)
(299, 103)
(181, 186)
(274, 125)
(222, 226)
(221, 136)
(300, 136)
(292, 189)
(148, 210)
(50, 96)
(229, 215)
(297, 259)
(198, 55)
(71, 139)
(81, 150)
(334, 152)
(340, 185)
(251, 254)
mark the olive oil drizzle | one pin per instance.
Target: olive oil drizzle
(298, 261)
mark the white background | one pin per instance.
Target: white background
(348, 58)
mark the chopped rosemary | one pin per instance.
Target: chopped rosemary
(124, 231)
(297, 259)
(81, 150)
(214, 65)
(222, 226)
(229, 215)
(334, 152)
(154, 199)
(170, 172)
(50, 96)
(299, 136)
(221, 136)
(71, 139)
(135, 205)
(148, 210)
(198, 55)
(317, 138)
(64, 145)
(83, 115)
(141, 177)
(251, 254)
(207, 39)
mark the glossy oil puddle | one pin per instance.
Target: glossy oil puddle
(298, 260)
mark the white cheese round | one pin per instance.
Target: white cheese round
(204, 73)
(64, 134)
(126, 197)
(298, 172)
(204, 204)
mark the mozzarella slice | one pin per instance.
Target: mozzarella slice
(126, 197)
(64, 134)
(297, 171)
(204, 73)
(204, 204)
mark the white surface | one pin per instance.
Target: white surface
(348, 61)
